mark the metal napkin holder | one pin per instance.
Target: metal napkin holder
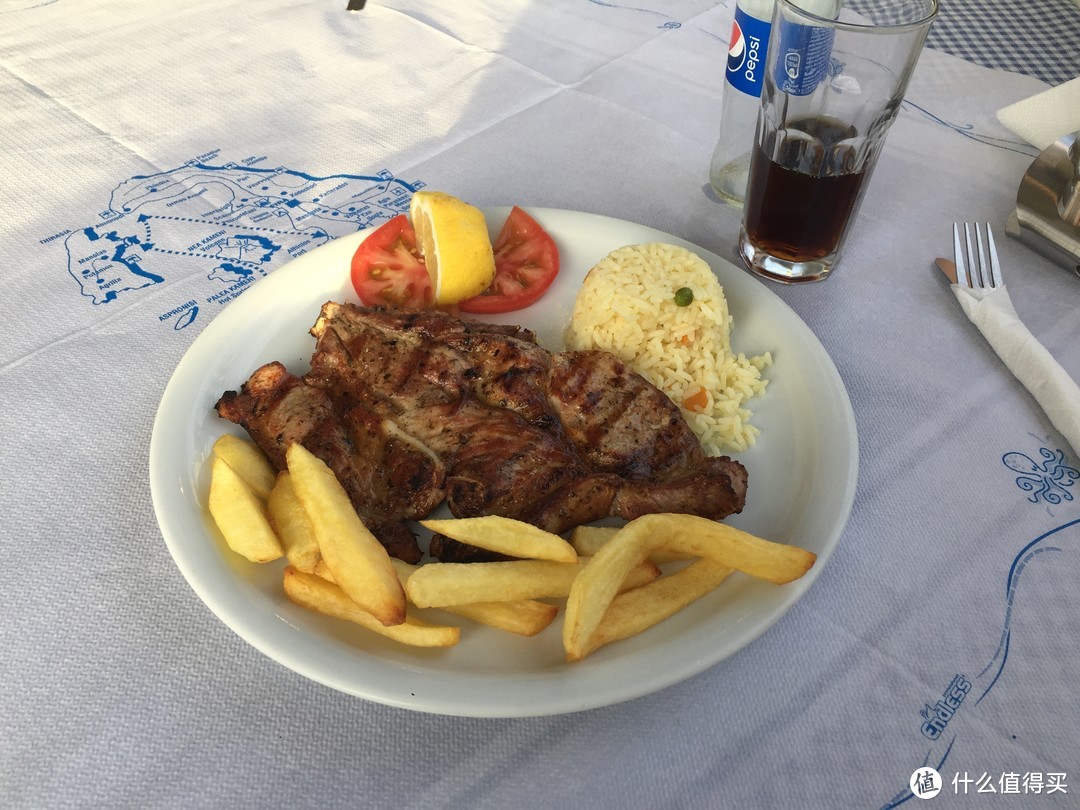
(1047, 214)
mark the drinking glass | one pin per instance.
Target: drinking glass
(832, 88)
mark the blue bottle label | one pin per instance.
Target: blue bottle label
(803, 61)
(746, 53)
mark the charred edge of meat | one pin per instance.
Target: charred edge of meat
(715, 490)
(399, 541)
(432, 324)
(446, 549)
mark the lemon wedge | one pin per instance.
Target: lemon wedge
(453, 239)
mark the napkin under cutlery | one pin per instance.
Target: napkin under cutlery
(1030, 362)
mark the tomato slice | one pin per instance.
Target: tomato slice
(526, 262)
(387, 269)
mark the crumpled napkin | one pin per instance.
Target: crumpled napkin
(1045, 117)
(993, 314)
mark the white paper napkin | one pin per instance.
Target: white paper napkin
(993, 314)
(1047, 116)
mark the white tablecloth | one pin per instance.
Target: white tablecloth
(121, 689)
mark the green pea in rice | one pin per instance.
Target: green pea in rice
(626, 306)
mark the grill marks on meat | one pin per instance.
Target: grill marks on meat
(621, 424)
(476, 397)
(617, 421)
(411, 408)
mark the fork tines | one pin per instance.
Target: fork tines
(976, 264)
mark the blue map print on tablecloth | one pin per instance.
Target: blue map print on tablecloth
(235, 221)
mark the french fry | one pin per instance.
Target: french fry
(442, 584)
(587, 540)
(632, 612)
(315, 593)
(291, 524)
(321, 569)
(359, 563)
(240, 515)
(513, 538)
(596, 586)
(774, 562)
(249, 462)
(525, 617)
(403, 569)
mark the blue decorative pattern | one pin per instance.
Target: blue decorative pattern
(968, 131)
(1048, 481)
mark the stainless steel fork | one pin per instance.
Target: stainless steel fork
(982, 295)
(976, 263)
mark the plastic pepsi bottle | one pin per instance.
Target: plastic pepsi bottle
(745, 75)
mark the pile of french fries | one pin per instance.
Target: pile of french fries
(610, 579)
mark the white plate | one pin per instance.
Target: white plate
(801, 487)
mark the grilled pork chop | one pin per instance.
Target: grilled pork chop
(412, 408)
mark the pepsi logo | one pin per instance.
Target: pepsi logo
(736, 48)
